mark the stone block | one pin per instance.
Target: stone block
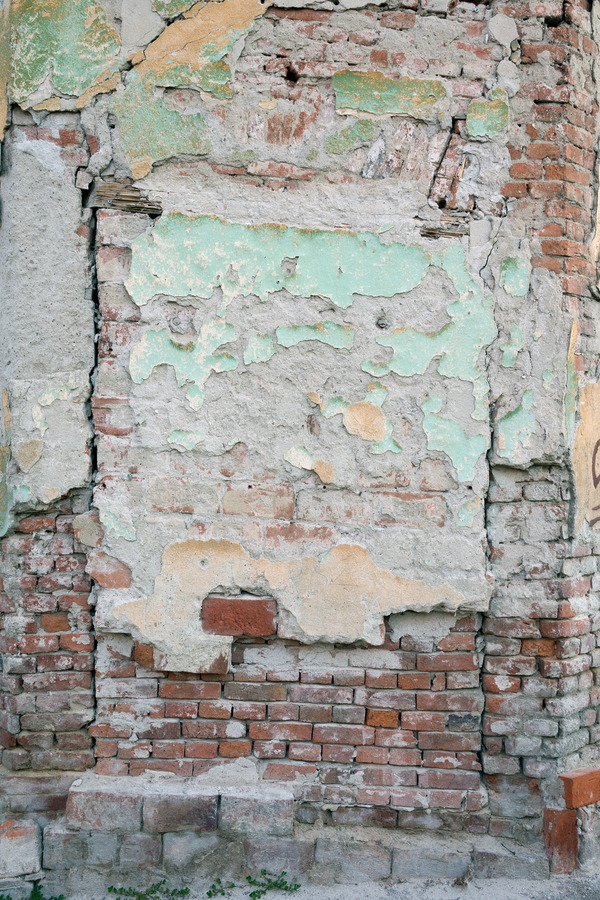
(269, 810)
(102, 849)
(20, 848)
(433, 860)
(105, 804)
(15, 889)
(179, 811)
(186, 848)
(140, 850)
(63, 849)
(495, 859)
(354, 863)
(277, 855)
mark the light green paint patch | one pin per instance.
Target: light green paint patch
(72, 39)
(299, 457)
(339, 336)
(191, 255)
(117, 526)
(171, 8)
(192, 363)
(510, 350)
(371, 92)
(516, 427)
(548, 377)
(468, 512)
(346, 139)
(61, 392)
(260, 348)
(150, 132)
(245, 156)
(457, 345)
(450, 438)
(186, 439)
(514, 276)
(488, 118)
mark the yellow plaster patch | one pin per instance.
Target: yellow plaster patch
(366, 420)
(341, 596)
(586, 457)
(195, 39)
(100, 87)
(27, 454)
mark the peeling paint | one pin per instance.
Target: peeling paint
(260, 348)
(365, 418)
(488, 118)
(516, 427)
(301, 459)
(447, 436)
(514, 276)
(468, 512)
(190, 51)
(62, 392)
(117, 526)
(346, 139)
(71, 39)
(511, 349)
(186, 439)
(370, 92)
(341, 596)
(457, 345)
(586, 457)
(339, 336)
(191, 255)
(192, 363)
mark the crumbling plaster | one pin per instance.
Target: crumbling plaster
(384, 349)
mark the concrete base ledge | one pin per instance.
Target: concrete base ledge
(138, 831)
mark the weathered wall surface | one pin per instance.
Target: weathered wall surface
(301, 370)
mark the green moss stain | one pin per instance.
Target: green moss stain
(371, 92)
(456, 346)
(186, 439)
(514, 276)
(488, 118)
(191, 255)
(511, 349)
(260, 348)
(72, 39)
(149, 131)
(450, 438)
(347, 138)
(192, 364)
(339, 336)
(516, 427)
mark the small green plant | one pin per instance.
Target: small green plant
(279, 883)
(158, 891)
(36, 894)
(218, 889)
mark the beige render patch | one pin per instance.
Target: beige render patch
(27, 453)
(586, 457)
(198, 37)
(341, 596)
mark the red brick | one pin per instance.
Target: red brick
(452, 781)
(581, 787)
(384, 718)
(201, 749)
(343, 734)
(447, 662)
(234, 749)
(560, 836)
(53, 622)
(281, 731)
(36, 523)
(422, 721)
(181, 709)
(189, 690)
(305, 752)
(288, 771)
(248, 616)
(267, 501)
(107, 571)
(552, 628)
